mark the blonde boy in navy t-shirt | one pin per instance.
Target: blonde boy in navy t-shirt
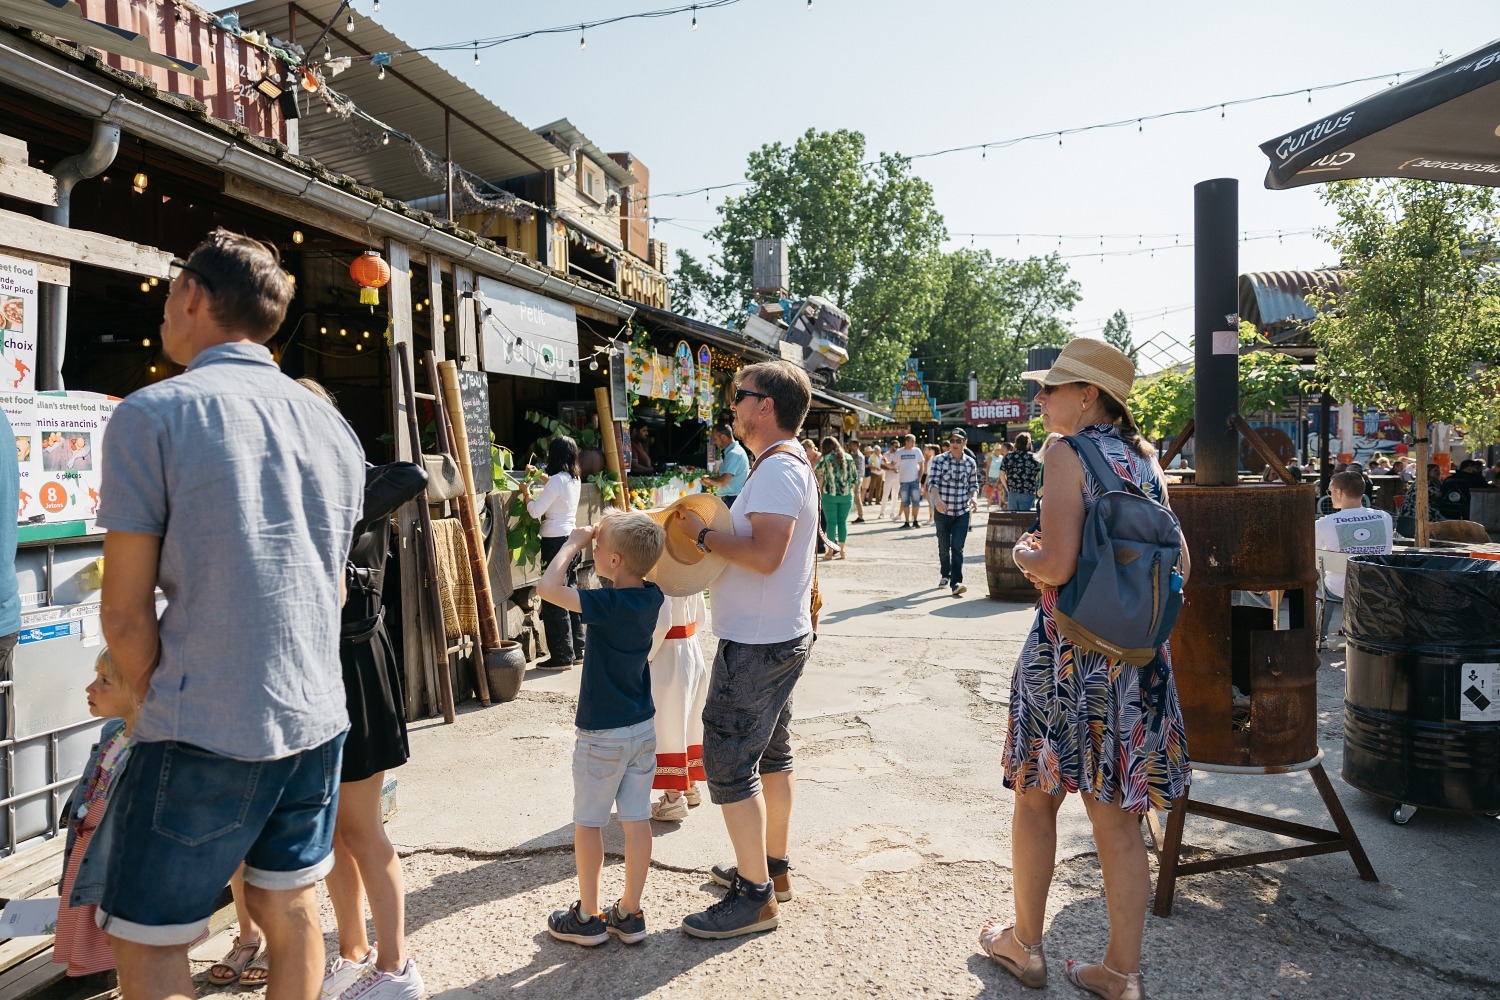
(614, 759)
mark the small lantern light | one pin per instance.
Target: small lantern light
(371, 273)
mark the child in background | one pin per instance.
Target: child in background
(614, 759)
(80, 944)
(679, 685)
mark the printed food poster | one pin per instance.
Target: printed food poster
(69, 431)
(20, 410)
(18, 316)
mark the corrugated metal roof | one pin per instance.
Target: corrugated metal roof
(569, 134)
(411, 99)
(1276, 300)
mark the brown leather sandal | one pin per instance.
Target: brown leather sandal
(1034, 973)
(1133, 988)
(236, 960)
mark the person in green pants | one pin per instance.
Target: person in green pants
(837, 476)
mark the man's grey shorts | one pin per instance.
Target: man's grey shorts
(747, 716)
(614, 767)
(911, 493)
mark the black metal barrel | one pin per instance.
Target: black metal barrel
(1422, 706)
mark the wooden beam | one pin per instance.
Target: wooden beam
(12, 148)
(27, 183)
(296, 210)
(22, 234)
(435, 294)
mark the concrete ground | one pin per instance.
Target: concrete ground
(902, 841)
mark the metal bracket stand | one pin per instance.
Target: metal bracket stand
(1168, 841)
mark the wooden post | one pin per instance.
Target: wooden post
(419, 664)
(610, 434)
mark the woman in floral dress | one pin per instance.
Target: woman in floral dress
(1080, 722)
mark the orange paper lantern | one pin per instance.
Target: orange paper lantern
(370, 272)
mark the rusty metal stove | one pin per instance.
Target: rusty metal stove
(1244, 540)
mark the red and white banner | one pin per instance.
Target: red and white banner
(993, 411)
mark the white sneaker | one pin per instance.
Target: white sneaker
(693, 795)
(377, 984)
(669, 810)
(343, 973)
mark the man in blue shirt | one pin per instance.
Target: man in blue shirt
(734, 465)
(236, 491)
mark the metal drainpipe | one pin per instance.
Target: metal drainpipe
(92, 162)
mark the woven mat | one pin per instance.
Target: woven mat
(456, 582)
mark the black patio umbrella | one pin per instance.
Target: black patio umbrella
(1441, 126)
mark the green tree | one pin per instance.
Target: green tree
(1117, 334)
(1416, 326)
(866, 236)
(1162, 404)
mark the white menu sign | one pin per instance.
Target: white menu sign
(18, 315)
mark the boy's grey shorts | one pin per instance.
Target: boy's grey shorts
(747, 716)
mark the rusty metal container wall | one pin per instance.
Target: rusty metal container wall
(1256, 537)
(233, 66)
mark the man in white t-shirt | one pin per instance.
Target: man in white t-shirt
(1352, 528)
(762, 617)
(890, 502)
(909, 463)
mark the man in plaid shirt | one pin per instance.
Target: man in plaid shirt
(953, 491)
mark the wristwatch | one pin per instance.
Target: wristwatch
(701, 547)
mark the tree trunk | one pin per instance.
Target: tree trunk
(1419, 426)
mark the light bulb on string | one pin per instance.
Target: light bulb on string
(583, 42)
(809, 4)
(476, 53)
(377, 6)
(695, 18)
(385, 138)
(327, 52)
(349, 23)
(380, 75)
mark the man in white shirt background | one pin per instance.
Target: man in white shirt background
(909, 463)
(1352, 528)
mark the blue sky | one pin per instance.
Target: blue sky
(917, 76)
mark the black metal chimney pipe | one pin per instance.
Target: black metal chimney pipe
(1216, 224)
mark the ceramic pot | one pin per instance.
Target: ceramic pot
(505, 667)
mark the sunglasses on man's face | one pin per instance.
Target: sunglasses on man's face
(740, 394)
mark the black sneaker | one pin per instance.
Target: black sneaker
(943, 583)
(554, 664)
(742, 911)
(571, 926)
(629, 928)
(781, 877)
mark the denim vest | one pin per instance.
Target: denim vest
(88, 885)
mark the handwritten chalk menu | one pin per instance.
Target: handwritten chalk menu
(474, 393)
(619, 398)
(18, 314)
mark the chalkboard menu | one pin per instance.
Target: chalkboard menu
(474, 393)
(619, 399)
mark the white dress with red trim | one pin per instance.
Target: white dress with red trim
(679, 685)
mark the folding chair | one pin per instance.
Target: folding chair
(1328, 562)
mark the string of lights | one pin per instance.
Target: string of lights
(1059, 134)
(478, 45)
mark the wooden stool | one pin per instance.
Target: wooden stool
(1168, 841)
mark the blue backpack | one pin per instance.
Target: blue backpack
(1126, 594)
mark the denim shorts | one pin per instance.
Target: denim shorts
(911, 494)
(187, 818)
(747, 716)
(1020, 501)
(614, 767)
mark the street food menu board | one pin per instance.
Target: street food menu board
(474, 394)
(58, 438)
(18, 314)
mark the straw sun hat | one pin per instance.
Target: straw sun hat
(683, 569)
(1093, 361)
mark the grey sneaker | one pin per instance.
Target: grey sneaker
(739, 912)
(943, 583)
(570, 925)
(629, 928)
(781, 878)
(376, 984)
(343, 974)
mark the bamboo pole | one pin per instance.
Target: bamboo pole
(611, 435)
(451, 417)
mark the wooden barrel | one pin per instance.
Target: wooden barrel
(1007, 583)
